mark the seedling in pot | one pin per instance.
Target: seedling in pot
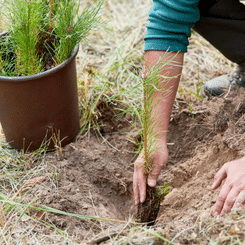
(43, 34)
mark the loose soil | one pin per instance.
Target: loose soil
(148, 210)
(95, 174)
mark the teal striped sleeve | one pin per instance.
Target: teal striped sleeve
(170, 24)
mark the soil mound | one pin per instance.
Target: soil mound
(95, 175)
(202, 141)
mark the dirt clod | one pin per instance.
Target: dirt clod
(148, 210)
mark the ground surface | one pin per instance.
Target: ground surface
(94, 177)
(95, 174)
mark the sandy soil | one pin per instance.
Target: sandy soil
(96, 179)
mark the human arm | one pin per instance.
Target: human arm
(169, 29)
(162, 109)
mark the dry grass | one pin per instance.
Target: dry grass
(206, 230)
(2, 20)
(203, 62)
(108, 65)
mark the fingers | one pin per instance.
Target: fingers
(161, 159)
(229, 202)
(136, 189)
(232, 194)
(153, 177)
(220, 175)
(142, 187)
(239, 200)
(221, 199)
(139, 184)
(234, 200)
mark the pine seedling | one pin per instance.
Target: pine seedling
(152, 83)
(45, 32)
(71, 27)
(25, 32)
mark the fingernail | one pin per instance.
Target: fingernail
(141, 200)
(151, 182)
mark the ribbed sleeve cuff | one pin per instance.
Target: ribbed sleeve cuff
(157, 39)
(170, 24)
(164, 45)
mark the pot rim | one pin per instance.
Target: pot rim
(41, 74)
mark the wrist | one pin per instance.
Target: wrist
(162, 136)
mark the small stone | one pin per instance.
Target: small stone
(62, 201)
(128, 117)
(215, 149)
(194, 235)
(214, 200)
(119, 126)
(211, 174)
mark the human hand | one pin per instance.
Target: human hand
(160, 159)
(232, 193)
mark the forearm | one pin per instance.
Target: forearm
(163, 102)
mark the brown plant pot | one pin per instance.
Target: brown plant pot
(34, 107)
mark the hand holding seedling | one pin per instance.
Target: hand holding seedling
(232, 193)
(160, 82)
(160, 158)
